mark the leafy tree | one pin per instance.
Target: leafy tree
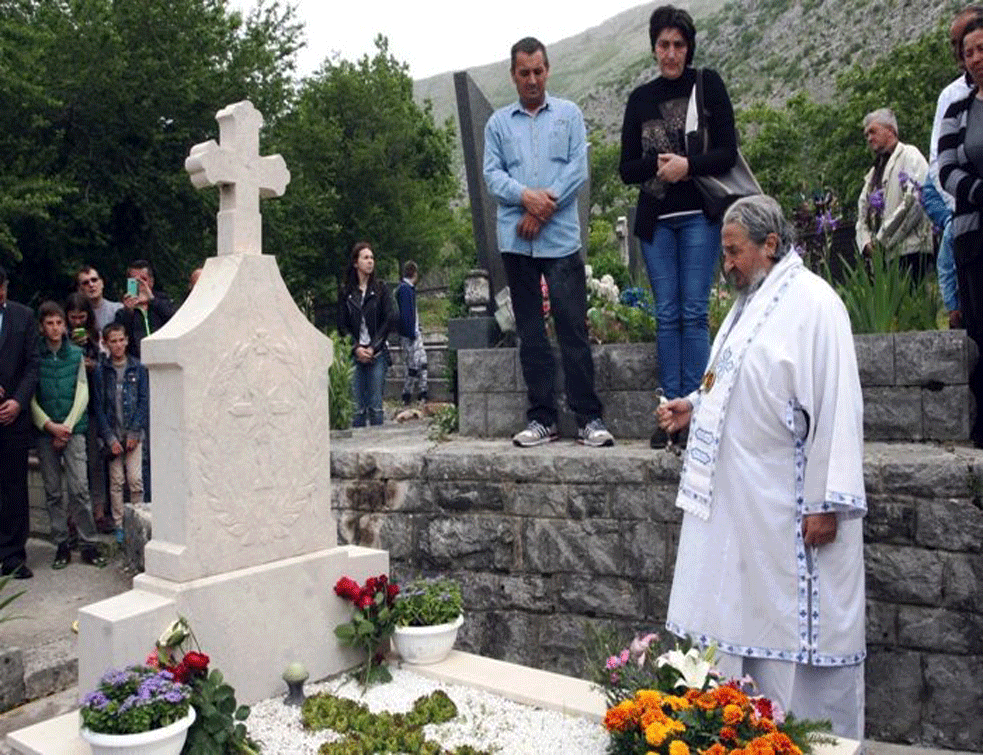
(367, 163)
(124, 88)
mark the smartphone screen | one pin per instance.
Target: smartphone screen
(132, 287)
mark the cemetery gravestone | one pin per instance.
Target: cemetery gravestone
(244, 541)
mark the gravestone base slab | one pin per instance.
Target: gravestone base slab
(252, 622)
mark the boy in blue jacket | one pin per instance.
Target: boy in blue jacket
(410, 337)
(122, 386)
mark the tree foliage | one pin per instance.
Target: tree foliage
(106, 98)
(368, 163)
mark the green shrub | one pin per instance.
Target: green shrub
(341, 404)
(443, 422)
(884, 299)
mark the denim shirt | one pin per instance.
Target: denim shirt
(136, 390)
(547, 150)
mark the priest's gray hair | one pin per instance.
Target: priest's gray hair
(884, 116)
(760, 215)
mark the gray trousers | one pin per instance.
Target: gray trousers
(72, 457)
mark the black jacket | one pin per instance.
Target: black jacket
(160, 309)
(644, 115)
(377, 309)
(19, 361)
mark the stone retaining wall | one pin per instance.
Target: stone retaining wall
(915, 387)
(547, 539)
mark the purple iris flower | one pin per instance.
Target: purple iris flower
(876, 200)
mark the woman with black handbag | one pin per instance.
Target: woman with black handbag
(678, 229)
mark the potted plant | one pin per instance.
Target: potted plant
(170, 704)
(428, 616)
(137, 710)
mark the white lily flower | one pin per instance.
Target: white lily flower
(693, 667)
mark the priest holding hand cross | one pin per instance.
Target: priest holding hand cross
(770, 561)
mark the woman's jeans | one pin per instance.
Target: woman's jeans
(680, 260)
(367, 383)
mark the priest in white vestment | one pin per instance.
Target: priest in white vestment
(770, 561)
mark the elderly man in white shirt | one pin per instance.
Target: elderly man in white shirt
(888, 211)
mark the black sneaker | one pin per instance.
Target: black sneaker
(63, 556)
(93, 556)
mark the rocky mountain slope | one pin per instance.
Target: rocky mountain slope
(766, 50)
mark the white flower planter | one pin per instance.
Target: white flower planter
(166, 741)
(423, 645)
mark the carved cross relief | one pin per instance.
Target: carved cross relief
(235, 166)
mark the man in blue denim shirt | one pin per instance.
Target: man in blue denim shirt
(535, 162)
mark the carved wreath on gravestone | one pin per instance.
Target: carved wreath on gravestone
(259, 450)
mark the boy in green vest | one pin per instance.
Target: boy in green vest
(59, 411)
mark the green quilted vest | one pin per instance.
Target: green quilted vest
(57, 376)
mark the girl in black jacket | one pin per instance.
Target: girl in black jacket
(365, 312)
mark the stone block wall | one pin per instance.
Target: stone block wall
(915, 387)
(437, 383)
(547, 540)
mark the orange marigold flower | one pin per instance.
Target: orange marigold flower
(728, 734)
(653, 715)
(621, 717)
(729, 696)
(678, 747)
(656, 733)
(765, 724)
(676, 703)
(705, 701)
(692, 693)
(760, 746)
(737, 751)
(733, 714)
(648, 698)
(715, 749)
(782, 744)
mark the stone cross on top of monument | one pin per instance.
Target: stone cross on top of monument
(234, 165)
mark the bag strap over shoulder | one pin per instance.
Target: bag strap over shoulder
(698, 135)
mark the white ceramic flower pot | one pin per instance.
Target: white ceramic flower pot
(166, 741)
(423, 645)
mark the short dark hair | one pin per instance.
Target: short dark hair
(49, 309)
(670, 17)
(529, 46)
(112, 328)
(975, 25)
(410, 269)
(142, 265)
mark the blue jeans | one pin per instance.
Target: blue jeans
(367, 383)
(680, 261)
(565, 277)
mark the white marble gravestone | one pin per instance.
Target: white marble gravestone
(244, 540)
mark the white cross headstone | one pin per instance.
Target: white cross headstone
(234, 165)
(244, 538)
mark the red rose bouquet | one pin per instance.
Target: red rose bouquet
(218, 727)
(371, 625)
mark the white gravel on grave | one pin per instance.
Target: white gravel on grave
(484, 720)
